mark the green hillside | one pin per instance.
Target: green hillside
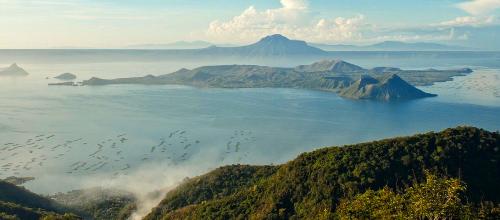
(461, 163)
(217, 184)
(98, 203)
(19, 203)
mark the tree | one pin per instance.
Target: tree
(436, 198)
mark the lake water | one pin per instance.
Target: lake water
(152, 135)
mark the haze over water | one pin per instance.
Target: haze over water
(68, 133)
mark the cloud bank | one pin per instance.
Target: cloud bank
(293, 19)
(478, 7)
(469, 21)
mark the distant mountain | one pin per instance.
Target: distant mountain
(179, 45)
(338, 66)
(336, 47)
(396, 45)
(13, 70)
(392, 46)
(271, 46)
(277, 46)
(388, 88)
(316, 185)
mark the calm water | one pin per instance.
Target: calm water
(83, 136)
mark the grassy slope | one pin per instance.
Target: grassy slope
(19, 203)
(312, 185)
(18, 195)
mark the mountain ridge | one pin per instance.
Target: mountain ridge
(330, 65)
(18, 203)
(312, 185)
(393, 46)
(178, 45)
(336, 182)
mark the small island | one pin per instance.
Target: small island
(66, 76)
(64, 84)
(346, 79)
(13, 70)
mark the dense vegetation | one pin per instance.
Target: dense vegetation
(11, 193)
(436, 198)
(462, 164)
(11, 211)
(98, 203)
(451, 174)
(21, 204)
(219, 183)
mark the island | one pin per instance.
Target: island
(64, 84)
(66, 76)
(346, 79)
(13, 70)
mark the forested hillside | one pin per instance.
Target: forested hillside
(460, 163)
(20, 204)
(450, 174)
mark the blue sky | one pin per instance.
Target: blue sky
(118, 23)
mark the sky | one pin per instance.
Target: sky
(121, 23)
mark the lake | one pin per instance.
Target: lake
(154, 135)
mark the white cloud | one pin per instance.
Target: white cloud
(417, 34)
(295, 4)
(292, 19)
(338, 29)
(469, 21)
(477, 7)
